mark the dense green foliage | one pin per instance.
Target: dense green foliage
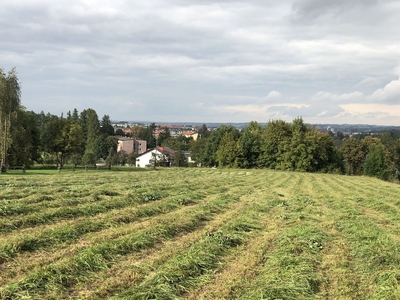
(299, 147)
(82, 138)
(251, 234)
(280, 145)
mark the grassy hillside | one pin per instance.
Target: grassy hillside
(198, 234)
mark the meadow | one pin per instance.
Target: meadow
(192, 233)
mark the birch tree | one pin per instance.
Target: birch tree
(10, 95)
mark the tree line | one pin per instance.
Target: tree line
(27, 138)
(297, 146)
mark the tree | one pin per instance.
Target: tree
(165, 134)
(249, 146)
(369, 141)
(197, 150)
(396, 155)
(135, 131)
(325, 157)
(353, 152)
(227, 152)
(107, 145)
(389, 140)
(10, 94)
(298, 147)
(89, 158)
(180, 159)
(63, 139)
(83, 121)
(26, 138)
(178, 143)
(204, 132)
(75, 147)
(119, 132)
(94, 141)
(54, 139)
(275, 139)
(121, 158)
(377, 163)
(214, 141)
(131, 159)
(298, 153)
(75, 116)
(106, 127)
(147, 135)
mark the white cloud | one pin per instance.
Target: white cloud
(390, 93)
(274, 95)
(352, 97)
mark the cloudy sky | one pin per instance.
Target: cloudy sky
(207, 61)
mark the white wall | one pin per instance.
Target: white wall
(145, 158)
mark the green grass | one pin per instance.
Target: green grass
(197, 234)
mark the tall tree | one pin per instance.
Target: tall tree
(353, 152)
(83, 121)
(94, 139)
(10, 95)
(26, 138)
(75, 146)
(227, 152)
(164, 135)
(204, 132)
(75, 116)
(274, 140)
(197, 150)
(147, 135)
(249, 146)
(396, 154)
(214, 142)
(54, 140)
(298, 152)
(106, 127)
(377, 162)
(324, 156)
(180, 159)
(61, 138)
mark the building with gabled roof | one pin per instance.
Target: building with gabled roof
(164, 156)
(191, 134)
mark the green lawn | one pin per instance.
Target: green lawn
(195, 233)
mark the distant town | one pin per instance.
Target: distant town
(178, 128)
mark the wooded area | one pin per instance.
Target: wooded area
(29, 138)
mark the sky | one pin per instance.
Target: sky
(207, 61)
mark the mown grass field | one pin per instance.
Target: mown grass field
(198, 234)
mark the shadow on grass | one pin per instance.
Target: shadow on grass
(70, 170)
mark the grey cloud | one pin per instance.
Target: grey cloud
(318, 110)
(180, 54)
(319, 8)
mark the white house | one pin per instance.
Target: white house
(164, 156)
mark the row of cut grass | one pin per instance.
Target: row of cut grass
(192, 267)
(136, 269)
(72, 270)
(11, 246)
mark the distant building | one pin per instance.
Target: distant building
(129, 145)
(164, 157)
(190, 134)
